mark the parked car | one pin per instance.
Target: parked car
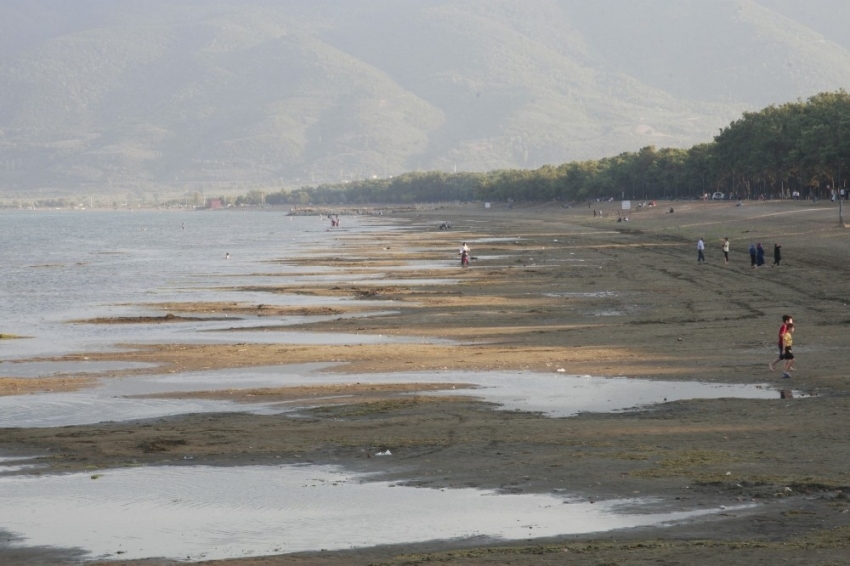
(718, 196)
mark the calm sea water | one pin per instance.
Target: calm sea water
(58, 266)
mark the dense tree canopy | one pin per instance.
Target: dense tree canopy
(801, 146)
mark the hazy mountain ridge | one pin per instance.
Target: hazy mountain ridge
(130, 95)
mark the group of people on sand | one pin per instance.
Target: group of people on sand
(756, 253)
(786, 340)
(786, 331)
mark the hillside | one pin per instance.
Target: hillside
(132, 96)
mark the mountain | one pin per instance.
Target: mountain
(136, 96)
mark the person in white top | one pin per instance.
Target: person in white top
(464, 255)
(700, 251)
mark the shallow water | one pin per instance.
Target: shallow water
(594, 295)
(554, 394)
(45, 369)
(11, 465)
(69, 266)
(202, 513)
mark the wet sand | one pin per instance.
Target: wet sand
(551, 289)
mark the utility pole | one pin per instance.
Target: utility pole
(838, 187)
(837, 190)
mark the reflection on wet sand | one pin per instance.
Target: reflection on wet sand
(148, 396)
(203, 513)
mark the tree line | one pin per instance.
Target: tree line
(801, 146)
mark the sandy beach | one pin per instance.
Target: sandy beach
(550, 289)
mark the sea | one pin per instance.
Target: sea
(59, 266)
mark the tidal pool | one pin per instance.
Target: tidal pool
(552, 394)
(204, 513)
(46, 369)
(9, 465)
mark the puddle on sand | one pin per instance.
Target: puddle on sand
(10, 465)
(270, 335)
(591, 295)
(570, 395)
(104, 337)
(203, 513)
(44, 410)
(110, 400)
(496, 240)
(553, 394)
(409, 282)
(47, 369)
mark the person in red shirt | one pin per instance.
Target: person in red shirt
(786, 320)
(788, 339)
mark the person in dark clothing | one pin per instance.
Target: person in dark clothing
(759, 255)
(777, 254)
(753, 255)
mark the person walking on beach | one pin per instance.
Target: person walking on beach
(464, 255)
(725, 250)
(777, 254)
(759, 255)
(753, 256)
(787, 341)
(786, 320)
(700, 251)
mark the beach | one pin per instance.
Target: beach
(551, 290)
